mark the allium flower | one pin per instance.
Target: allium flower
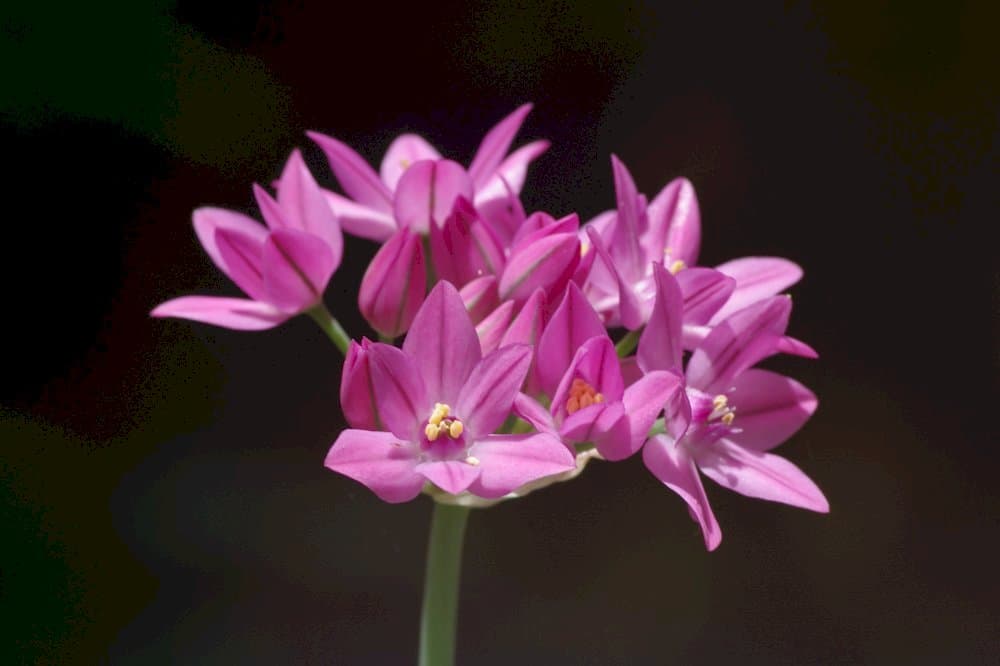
(284, 267)
(440, 401)
(732, 415)
(377, 205)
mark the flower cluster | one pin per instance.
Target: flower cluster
(508, 377)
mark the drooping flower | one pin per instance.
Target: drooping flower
(440, 401)
(376, 204)
(733, 414)
(283, 267)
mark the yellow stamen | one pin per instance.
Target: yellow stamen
(581, 394)
(677, 267)
(431, 432)
(440, 412)
(728, 418)
(720, 401)
(584, 248)
(472, 460)
(455, 429)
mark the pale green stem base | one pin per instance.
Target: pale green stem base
(330, 326)
(628, 343)
(441, 582)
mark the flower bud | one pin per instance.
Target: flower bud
(392, 288)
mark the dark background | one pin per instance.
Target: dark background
(163, 494)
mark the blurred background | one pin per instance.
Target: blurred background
(163, 494)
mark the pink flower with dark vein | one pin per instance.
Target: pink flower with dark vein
(283, 267)
(731, 415)
(440, 401)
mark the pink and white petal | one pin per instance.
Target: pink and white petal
(493, 326)
(297, 267)
(573, 323)
(673, 466)
(756, 278)
(760, 475)
(737, 343)
(239, 314)
(206, 220)
(644, 400)
(705, 291)
(360, 220)
(511, 173)
(242, 258)
(675, 209)
(532, 411)
(405, 149)
(495, 144)
(769, 407)
(426, 193)
(400, 394)
(486, 398)
(510, 461)
(660, 345)
(305, 207)
(451, 476)
(378, 460)
(358, 179)
(443, 343)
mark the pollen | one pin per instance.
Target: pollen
(720, 401)
(582, 394)
(677, 267)
(472, 460)
(440, 412)
(431, 432)
(455, 429)
(728, 418)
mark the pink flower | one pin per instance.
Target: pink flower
(377, 204)
(440, 401)
(732, 415)
(284, 267)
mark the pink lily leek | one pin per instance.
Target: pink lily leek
(373, 209)
(284, 267)
(441, 401)
(733, 415)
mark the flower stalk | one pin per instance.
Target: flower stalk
(326, 321)
(439, 614)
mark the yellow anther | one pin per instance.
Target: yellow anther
(598, 397)
(440, 412)
(584, 248)
(572, 405)
(431, 432)
(677, 267)
(720, 401)
(586, 400)
(405, 163)
(472, 460)
(455, 429)
(728, 418)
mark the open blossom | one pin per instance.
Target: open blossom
(413, 174)
(440, 401)
(731, 415)
(283, 267)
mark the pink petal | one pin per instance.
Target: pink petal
(761, 475)
(236, 313)
(643, 402)
(357, 392)
(493, 326)
(573, 323)
(530, 410)
(463, 247)
(495, 145)
(426, 193)
(675, 210)
(242, 258)
(486, 398)
(272, 213)
(604, 424)
(405, 150)
(795, 347)
(379, 461)
(443, 343)
(360, 220)
(737, 343)
(628, 257)
(527, 324)
(672, 465)
(541, 224)
(770, 408)
(305, 207)
(630, 311)
(511, 173)
(547, 263)
(705, 291)
(392, 288)
(297, 267)
(503, 212)
(597, 364)
(510, 461)
(660, 345)
(480, 297)
(400, 392)
(756, 278)
(207, 220)
(451, 476)
(359, 180)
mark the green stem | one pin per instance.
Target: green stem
(628, 343)
(330, 326)
(444, 562)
